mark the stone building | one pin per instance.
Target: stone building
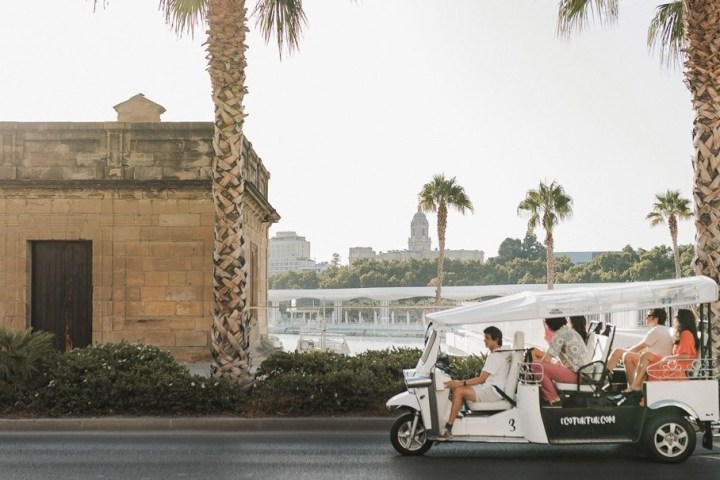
(107, 230)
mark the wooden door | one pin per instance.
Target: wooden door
(61, 292)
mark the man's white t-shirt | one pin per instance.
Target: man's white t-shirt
(659, 340)
(497, 364)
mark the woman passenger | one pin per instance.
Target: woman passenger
(578, 323)
(568, 347)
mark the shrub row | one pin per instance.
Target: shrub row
(131, 379)
(119, 379)
(315, 383)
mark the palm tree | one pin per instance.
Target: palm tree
(547, 206)
(437, 196)
(687, 27)
(670, 207)
(226, 23)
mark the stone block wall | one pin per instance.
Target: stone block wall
(141, 194)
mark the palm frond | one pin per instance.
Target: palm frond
(21, 355)
(283, 18)
(575, 15)
(184, 15)
(666, 33)
(655, 218)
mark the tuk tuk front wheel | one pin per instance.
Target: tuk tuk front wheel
(401, 439)
(669, 438)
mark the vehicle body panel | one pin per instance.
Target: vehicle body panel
(699, 398)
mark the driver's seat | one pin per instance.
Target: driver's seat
(517, 354)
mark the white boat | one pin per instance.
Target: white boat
(323, 341)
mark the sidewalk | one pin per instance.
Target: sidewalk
(230, 424)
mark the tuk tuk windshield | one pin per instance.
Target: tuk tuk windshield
(429, 343)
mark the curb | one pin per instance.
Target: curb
(229, 424)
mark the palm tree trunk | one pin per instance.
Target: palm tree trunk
(702, 71)
(550, 263)
(672, 223)
(441, 226)
(232, 321)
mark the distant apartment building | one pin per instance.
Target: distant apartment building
(289, 252)
(419, 247)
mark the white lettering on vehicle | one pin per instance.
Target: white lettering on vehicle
(588, 420)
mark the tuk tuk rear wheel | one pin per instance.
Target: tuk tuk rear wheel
(400, 435)
(669, 438)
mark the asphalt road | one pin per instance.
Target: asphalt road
(315, 455)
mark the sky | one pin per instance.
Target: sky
(384, 94)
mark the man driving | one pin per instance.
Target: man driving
(481, 388)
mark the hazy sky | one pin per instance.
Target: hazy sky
(384, 94)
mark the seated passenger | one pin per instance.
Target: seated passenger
(568, 346)
(656, 344)
(578, 323)
(481, 388)
(684, 353)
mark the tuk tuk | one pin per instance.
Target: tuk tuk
(665, 418)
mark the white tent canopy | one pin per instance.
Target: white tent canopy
(584, 300)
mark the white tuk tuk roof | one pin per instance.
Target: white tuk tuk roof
(616, 297)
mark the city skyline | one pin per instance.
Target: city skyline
(382, 96)
(576, 256)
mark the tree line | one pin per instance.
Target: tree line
(518, 262)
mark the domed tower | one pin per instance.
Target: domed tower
(419, 240)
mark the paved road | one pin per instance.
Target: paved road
(317, 455)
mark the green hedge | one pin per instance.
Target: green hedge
(314, 383)
(130, 379)
(122, 378)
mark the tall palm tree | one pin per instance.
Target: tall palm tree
(226, 24)
(671, 207)
(437, 196)
(687, 27)
(547, 206)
